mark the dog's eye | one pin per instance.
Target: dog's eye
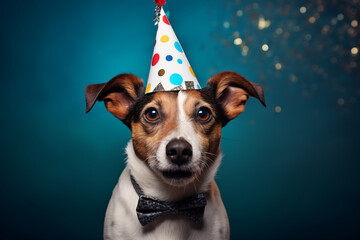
(151, 115)
(204, 114)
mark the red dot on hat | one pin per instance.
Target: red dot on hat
(165, 20)
(155, 59)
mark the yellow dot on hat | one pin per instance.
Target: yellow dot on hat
(192, 72)
(164, 38)
(148, 88)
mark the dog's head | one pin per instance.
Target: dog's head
(177, 134)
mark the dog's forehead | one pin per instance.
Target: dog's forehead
(184, 99)
(169, 101)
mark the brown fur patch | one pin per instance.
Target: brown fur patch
(117, 104)
(210, 132)
(147, 136)
(234, 103)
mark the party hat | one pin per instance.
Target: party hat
(170, 70)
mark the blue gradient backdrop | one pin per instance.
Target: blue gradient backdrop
(288, 175)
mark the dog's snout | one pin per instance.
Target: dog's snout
(178, 151)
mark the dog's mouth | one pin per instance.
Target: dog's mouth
(177, 174)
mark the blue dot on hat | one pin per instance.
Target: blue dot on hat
(176, 79)
(179, 61)
(169, 58)
(178, 47)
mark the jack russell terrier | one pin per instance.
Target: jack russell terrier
(167, 190)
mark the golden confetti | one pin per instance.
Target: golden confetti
(354, 23)
(354, 51)
(238, 41)
(265, 47)
(239, 13)
(262, 23)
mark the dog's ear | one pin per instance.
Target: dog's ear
(231, 91)
(118, 94)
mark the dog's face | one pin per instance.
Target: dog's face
(177, 134)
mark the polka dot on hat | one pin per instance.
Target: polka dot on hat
(161, 72)
(176, 79)
(164, 38)
(165, 20)
(148, 87)
(169, 58)
(155, 59)
(178, 47)
(191, 71)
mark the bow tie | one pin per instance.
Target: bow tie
(149, 208)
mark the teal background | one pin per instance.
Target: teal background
(287, 175)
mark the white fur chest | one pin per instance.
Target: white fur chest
(121, 221)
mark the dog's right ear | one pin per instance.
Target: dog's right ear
(118, 94)
(231, 91)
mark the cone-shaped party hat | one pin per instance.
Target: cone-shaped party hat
(170, 70)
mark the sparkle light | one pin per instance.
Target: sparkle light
(265, 47)
(279, 31)
(340, 16)
(354, 51)
(236, 34)
(333, 21)
(325, 29)
(351, 31)
(354, 23)
(239, 13)
(238, 41)
(312, 19)
(245, 50)
(278, 109)
(293, 78)
(262, 23)
(303, 10)
(318, 40)
(341, 101)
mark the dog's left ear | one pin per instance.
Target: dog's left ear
(231, 91)
(118, 94)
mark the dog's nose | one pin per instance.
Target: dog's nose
(179, 151)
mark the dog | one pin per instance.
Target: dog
(174, 153)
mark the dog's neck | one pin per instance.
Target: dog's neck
(152, 185)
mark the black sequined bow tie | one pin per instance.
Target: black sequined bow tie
(149, 208)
